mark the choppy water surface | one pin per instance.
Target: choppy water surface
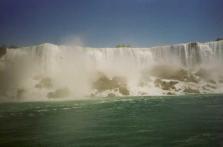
(135, 121)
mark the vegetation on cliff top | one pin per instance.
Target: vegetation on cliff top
(123, 46)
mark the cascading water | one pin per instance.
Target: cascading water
(50, 71)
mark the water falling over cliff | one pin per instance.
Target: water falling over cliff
(50, 71)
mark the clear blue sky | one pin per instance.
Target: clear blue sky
(104, 23)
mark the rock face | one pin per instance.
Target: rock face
(103, 83)
(2, 51)
(174, 73)
(45, 82)
(190, 90)
(59, 93)
(165, 85)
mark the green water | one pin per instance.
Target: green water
(180, 121)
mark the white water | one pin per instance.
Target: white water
(75, 69)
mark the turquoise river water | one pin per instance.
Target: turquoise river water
(170, 121)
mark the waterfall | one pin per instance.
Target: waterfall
(189, 54)
(48, 69)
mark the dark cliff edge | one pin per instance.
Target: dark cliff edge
(3, 49)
